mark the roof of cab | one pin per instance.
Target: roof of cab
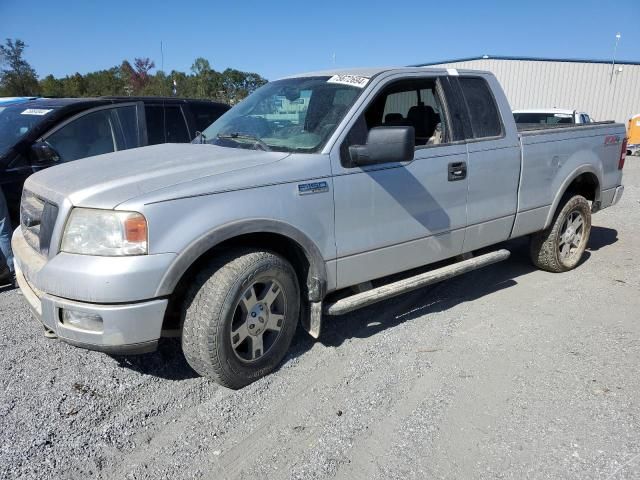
(373, 71)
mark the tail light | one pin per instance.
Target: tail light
(623, 154)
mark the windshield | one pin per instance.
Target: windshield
(16, 121)
(545, 118)
(291, 115)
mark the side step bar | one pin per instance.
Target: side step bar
(363, 299)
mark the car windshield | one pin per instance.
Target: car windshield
(291, 115)
(546, 118)
(16, 121)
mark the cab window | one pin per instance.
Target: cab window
(482, 108)
(88, 135)
(412, 103)
(166, 124)
(126, 126)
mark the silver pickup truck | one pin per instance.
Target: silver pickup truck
(292, 203)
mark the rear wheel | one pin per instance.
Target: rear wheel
(240, 317)
(560, 247)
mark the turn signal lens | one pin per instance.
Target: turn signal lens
(135, 228)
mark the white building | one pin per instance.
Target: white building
(598, 87)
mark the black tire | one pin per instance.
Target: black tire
(546, 245)
(214, 305)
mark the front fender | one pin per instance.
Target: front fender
(317, 278)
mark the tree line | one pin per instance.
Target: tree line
(19, 79)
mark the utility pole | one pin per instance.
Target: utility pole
(613, 59)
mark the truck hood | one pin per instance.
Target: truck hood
(105, 181)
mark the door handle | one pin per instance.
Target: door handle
(457, 171)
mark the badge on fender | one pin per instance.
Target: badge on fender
(315, 187)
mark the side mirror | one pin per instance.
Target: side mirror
(44, 154)
(385, 145)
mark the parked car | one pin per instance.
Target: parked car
(551, 116)
(6, 101)
(231, 242)
(40, 133)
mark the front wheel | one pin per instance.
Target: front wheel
(560, 247)
(240, 317)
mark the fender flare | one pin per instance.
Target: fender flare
(317, 277)
(586, 168)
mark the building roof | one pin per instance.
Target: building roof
(530, 59)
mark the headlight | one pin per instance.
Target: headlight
(105, 233)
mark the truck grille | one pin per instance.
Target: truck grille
(37, 219)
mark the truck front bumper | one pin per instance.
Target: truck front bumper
(129, 327)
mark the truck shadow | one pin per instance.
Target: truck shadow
(166, 362)
(601, 237)
(169, 363)
(439, 297)
(435, 298)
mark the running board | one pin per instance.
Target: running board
(363, 299)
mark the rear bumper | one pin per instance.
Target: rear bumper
(617, 195)
(611, 196)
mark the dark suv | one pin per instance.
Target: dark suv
(44, 132)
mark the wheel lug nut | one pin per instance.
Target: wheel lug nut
(261, 320)
(253, 314)
(261, 307)
(251, 326)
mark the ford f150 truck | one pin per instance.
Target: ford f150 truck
(288, 207)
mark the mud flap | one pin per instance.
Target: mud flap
(312, 321)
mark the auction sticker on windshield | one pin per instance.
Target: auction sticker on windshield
(35, 111)
(353, 80)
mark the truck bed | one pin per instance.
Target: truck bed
(534, 127)
(554, 155)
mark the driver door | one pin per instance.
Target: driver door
(392, 217)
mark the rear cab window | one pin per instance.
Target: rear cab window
(481, 107)
(543, 118)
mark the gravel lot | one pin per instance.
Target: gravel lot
(507, 372)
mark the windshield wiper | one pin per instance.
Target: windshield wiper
(245, 136)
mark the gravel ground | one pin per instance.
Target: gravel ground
(507, 372)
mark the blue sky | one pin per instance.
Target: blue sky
(283, 37)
